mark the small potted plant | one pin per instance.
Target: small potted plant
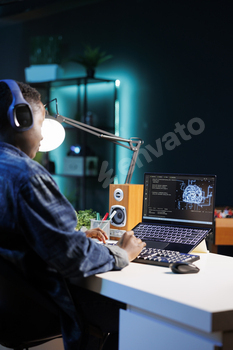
(91, 58)
(84, 219)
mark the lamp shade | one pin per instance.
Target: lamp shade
(53, 135)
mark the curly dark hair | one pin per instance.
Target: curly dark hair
(31, 95)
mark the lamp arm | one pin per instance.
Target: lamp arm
(132, 164)
(115, 139)
(88, 128)
(100, 133)
(134, 144)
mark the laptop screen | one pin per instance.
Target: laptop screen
(179, 198)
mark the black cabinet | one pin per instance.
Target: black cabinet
(92, 101)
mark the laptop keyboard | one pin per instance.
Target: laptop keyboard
(154, 256)
(169, 234)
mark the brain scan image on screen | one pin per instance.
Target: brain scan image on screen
(193, 195)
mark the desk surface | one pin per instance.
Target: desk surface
(203, 300)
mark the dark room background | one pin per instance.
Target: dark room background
(174, 60)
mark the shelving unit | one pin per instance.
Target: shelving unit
(78, 98)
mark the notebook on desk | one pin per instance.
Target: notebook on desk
(178, 210)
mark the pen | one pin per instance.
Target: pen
(105, 217)
(110, 218)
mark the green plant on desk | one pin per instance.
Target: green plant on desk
(84, 218)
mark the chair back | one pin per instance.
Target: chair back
(27, 316)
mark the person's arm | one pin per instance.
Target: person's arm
(97, 233)
(127, 248)
(47, 220)
(131, 245)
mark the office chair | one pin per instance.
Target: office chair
(89, 331)
(29, 317)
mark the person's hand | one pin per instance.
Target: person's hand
(97, 233)
(131, 244)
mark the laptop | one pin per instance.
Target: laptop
(178, 211)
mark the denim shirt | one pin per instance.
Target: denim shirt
(37, 234)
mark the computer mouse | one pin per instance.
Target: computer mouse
(183, 267)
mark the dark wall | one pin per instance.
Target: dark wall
(180, 54)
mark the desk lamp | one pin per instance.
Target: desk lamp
(54, 134)
(125, 199)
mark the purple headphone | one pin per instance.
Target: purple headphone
(19, 113)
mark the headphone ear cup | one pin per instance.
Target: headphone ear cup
(19, 113)
(23, 117)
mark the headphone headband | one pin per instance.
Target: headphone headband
(19, 113)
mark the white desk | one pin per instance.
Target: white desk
(171, 311)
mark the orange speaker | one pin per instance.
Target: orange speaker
(127, 201)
